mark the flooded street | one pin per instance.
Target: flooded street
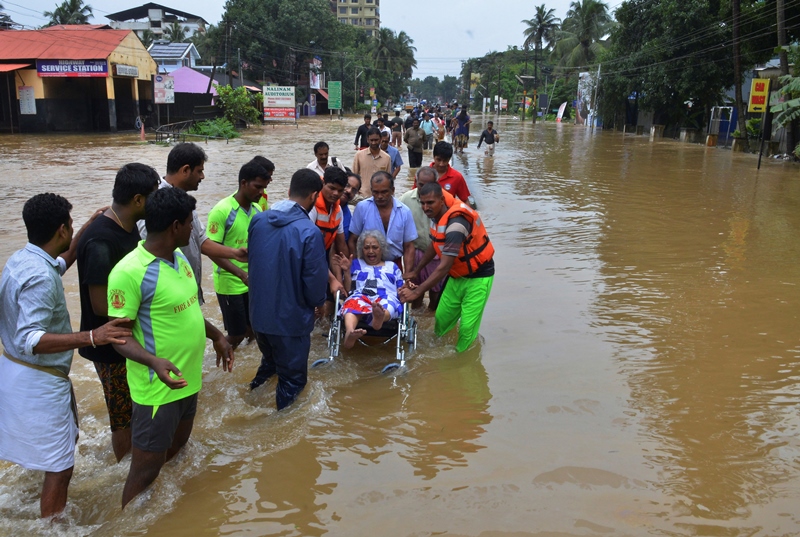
(637, 372)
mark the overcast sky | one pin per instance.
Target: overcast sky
(444, 33)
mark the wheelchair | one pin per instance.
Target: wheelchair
(403, 331)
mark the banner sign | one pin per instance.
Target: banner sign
(759, 95)
(334, 95)
(561, 110)
(125, 70)
(163, 89)
(279, 102)
(79, 68)
(313, 73)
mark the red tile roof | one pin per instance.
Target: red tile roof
(84, 42)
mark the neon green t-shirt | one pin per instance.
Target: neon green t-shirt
(161, 298)
(228, 223)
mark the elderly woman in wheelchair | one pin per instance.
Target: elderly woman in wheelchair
(372, 283)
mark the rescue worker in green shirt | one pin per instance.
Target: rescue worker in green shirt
(155, 287)
(228, 223)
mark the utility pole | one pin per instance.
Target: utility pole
(227, 65)
(737, 69)
(524, 86)
(239, 56)
(499, 97)
(781, 23)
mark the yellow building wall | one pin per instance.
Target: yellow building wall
(132, 52)
(29, 78)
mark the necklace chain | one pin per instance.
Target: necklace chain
(117, 217)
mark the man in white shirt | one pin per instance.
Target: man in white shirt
(323, 161)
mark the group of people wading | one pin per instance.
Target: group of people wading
(275, 268)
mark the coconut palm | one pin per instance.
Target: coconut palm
(580, 39)
(541, 28)
(176, 32)
(393, 52)
(70, 12)
(147, 38)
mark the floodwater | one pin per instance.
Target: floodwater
(637, 372)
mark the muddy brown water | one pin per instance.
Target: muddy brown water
(637, 372)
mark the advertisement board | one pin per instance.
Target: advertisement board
(76, 68)
(163, 89)
(279, 102)
(759, 95)
(27, 101)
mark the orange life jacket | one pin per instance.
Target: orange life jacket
(328, 223)
(475, 251)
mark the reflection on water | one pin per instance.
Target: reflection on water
(637, 372)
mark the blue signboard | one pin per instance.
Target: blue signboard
(79, 68)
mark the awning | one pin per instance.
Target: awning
(324, 94)
(253, 88)
(7, 67)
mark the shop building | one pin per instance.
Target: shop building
(73, 78)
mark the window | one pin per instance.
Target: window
(343, 10)
(369, 1)
(369, 33)
(354, 11)
(370, 22)
(343, 20)
(354, 22)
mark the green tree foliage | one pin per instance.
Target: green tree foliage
(239, 104)
(209, 43)
(580, 38)
(176, 32)
(448, 88)
(674, 57)
(279, 38)
(541, 29)
(147, 38)
(218, 128)
(69, 12)
(786, 107)
(429, 88)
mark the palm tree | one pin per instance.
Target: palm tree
(393, 53)
(70, 12)
(175, 32)
(541, 29)
(580, 37)
(147, 38)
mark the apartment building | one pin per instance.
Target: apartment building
(362, 13)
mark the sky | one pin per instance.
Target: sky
(444, 33)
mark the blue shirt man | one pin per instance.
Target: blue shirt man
(384, 213)
(394, 154)
(288, 279)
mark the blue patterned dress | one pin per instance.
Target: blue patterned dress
(374, 284)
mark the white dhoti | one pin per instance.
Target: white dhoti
(38, 428)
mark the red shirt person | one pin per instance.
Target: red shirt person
(450, 179)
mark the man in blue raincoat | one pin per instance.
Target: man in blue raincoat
(288, 279)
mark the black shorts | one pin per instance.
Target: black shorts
(156, 433)
(235, 313)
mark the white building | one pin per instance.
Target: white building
(156, 18)
(172, 56)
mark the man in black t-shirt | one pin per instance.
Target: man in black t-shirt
(104, 243)
(361, 134)
(491, 137)
(397, 126)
